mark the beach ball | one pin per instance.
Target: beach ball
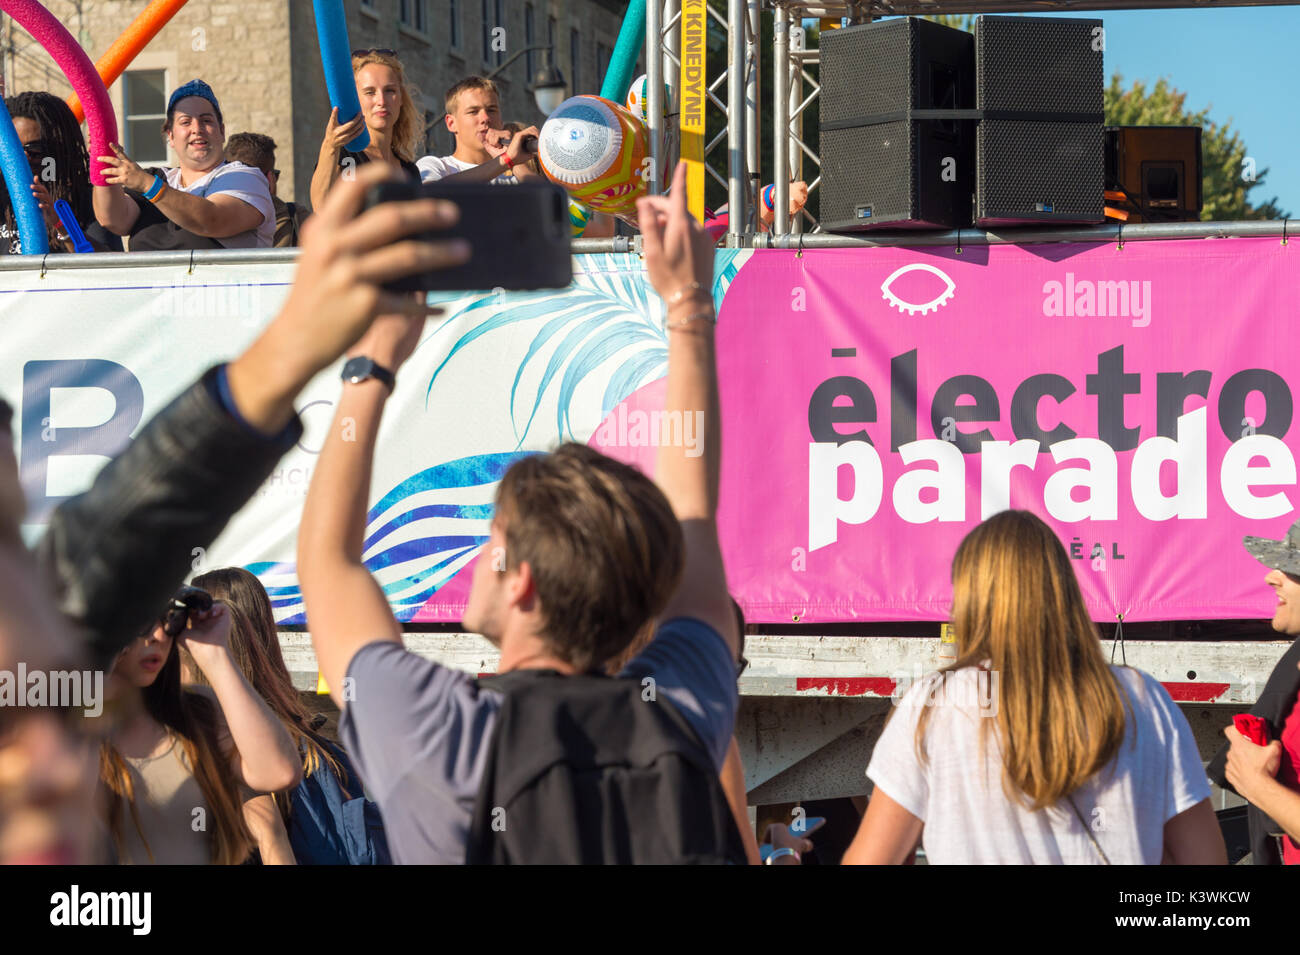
(596, 150)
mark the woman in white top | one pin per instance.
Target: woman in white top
(1029, 748)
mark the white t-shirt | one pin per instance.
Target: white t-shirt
(1156, 775)
(243, 182)
(433, 168)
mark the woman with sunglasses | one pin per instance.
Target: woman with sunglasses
(388, 112)
(181, 760)
(56, 152)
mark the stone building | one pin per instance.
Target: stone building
(262, 59)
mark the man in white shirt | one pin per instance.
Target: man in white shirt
(474, 118)
(204, 203)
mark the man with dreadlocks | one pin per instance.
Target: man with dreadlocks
(56, 151)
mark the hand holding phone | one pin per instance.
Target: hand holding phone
(519, 235)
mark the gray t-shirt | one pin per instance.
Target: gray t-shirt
(419, 733)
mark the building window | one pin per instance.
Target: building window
(550, 33)
(412, 13)
(369, 6)
(453, 28)
(602, 61)
(575, 60)
(487, 31)
(530, 39)
(144, 108)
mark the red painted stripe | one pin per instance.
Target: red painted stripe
(848, 686)
(486, 673)
(1196, 692)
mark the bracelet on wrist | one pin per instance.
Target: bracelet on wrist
(780, 853)
(155, 190)
(708, 314)
(684, 291)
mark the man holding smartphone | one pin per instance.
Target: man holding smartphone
(485, 152)
(583, 553)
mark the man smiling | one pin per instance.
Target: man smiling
(204, 203)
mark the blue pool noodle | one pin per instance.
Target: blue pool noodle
(18, 179)
(336, 58)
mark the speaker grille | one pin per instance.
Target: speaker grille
(893, 169)
(1038, 172)
(1039, 64)
(866, 69)
(868, 165)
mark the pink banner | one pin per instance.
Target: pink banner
(878, 404)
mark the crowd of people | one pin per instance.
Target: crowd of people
(223, 192)
(607, 734)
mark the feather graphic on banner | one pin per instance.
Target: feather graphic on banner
(605, 312)
(418, 536)
(610, 310)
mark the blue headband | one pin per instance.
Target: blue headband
(194, 88)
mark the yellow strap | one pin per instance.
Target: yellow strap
(695, 25)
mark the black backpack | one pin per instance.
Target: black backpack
(588, 770)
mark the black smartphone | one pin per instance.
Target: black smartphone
(518, 235)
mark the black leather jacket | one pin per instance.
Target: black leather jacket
(117, 552)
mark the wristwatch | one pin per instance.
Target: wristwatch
(360, 368)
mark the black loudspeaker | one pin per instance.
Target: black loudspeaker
(891, 156)
(1038, 143)
(1158, 169)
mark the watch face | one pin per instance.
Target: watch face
(358, 369)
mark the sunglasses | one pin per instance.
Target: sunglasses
(381, 51)
(275, 172)
(185, 601)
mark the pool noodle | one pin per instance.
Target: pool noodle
(54, 37)
(336, 59)
(18, 178)
(126, 47)
(622, 62)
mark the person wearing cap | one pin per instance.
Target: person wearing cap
(1268, 777)
(205, 202)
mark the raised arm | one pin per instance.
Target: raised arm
(264, 756)
(116, 552)
(346, 608)
(679, 259)
(327, 165)
(497, 165)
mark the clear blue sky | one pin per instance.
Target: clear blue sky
(1238, 61)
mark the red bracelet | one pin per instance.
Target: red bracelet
(510, 167)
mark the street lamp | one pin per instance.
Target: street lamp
(549, 88)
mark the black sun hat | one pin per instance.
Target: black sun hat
(1283, 555)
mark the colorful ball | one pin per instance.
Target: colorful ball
(638, 98)
(579, 216)
(597, 150)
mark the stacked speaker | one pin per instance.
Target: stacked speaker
(924, 126)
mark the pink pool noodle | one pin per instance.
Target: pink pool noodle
(126, 47)
(54, 37)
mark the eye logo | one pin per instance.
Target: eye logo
(910, 308)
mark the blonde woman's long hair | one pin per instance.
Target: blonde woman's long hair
(1017, 606)
(408, 131)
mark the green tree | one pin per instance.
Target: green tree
(1228, 173)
